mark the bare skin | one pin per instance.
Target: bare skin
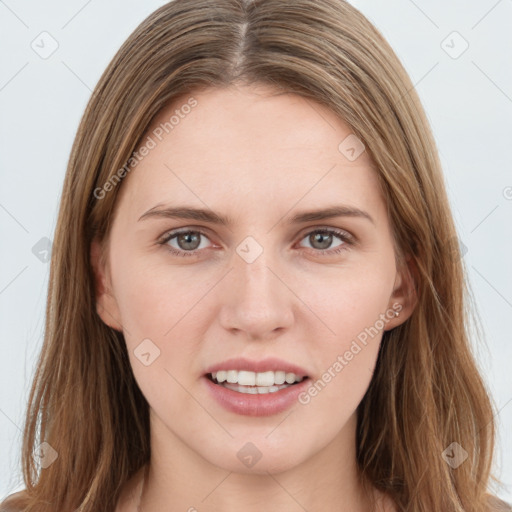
(131, 493)
(258, 159)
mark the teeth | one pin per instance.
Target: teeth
(261, 379)
(232, 376)
(220, 376)
(245, 378)
(254, 390)
(279, 377)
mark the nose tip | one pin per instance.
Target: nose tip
(256, 300)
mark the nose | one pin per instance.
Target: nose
(257, 299)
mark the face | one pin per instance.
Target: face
(270, 284)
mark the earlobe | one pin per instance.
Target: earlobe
(106, 305)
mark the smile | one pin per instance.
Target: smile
(255, 382)
(255, 394)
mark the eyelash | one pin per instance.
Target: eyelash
(343, 235)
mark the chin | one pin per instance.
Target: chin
(253, 456)
(273, 466)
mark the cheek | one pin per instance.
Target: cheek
(351, 302)
(152, 298)
(352, 309)
(159, 304)
(159, 334)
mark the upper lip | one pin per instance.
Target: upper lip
(264, 365)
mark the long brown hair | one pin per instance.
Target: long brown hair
(426, 393)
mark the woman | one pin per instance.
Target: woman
(309, 349)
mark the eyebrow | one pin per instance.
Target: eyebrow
(201, 214)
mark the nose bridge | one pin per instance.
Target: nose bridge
(257, 300)
(253, 264)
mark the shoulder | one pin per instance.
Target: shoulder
(495, 504)
(13, 502)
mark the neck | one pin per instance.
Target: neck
(179, 476)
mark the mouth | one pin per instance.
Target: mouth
(255, 383)
(253, 387)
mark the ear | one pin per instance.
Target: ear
(404, 297)
(106, 304)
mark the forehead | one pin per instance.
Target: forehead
(250, 143)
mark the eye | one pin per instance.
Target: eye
(188, 242)
(322, 239)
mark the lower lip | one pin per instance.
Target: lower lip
(256, 405)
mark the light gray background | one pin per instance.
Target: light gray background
(468, 99)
